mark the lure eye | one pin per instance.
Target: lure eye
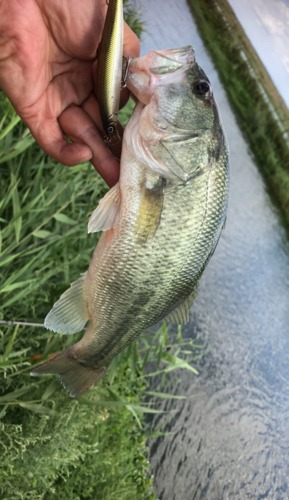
(110, 130)
(202, 88)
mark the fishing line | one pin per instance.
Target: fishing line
(20, 323)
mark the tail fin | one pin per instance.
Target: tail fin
(75, 377)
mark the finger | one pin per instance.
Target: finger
(131, 43)
(131, 48)
(50, 138)
(78, 125)
(92, 109)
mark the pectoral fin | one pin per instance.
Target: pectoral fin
(150, 211)
(69, 314)
(105, 216)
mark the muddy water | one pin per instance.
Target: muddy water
(230, 438)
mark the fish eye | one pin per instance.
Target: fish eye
(202, 88)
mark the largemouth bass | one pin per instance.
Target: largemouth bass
(160, 223)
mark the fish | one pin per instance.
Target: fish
(160, 223)
(109, 70)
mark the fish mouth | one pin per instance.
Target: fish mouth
(169, 61)
(145, 73)
(182, 55)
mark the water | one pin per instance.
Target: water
(230, 438)
(266, 24)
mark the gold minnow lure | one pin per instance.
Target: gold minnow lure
(109, 70)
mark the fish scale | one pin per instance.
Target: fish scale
(162, 221)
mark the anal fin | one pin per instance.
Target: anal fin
(181, 314)
(69, 314)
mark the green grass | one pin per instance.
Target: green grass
(93, 447)
(50, 445)
(49, 442)
(249, 89)
(90, 448)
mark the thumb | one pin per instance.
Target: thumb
(131, 43)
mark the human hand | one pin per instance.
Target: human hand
(47, 55)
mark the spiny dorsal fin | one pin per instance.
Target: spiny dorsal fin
(181, 314)
(69, 314)
(106, 214)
